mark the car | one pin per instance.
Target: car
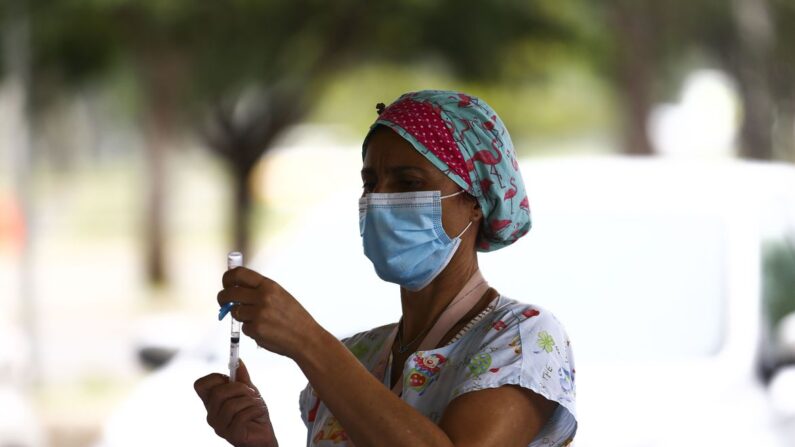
(653, 265)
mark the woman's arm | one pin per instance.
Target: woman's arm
(512, 416)
(370, 413)
(373, 416)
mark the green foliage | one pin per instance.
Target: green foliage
(778, 276)
(473, 37)
(236, 42)
(561, 99)
(783, 13)
(3, 23)
(227, 46)
(529, 52)
(72, 41)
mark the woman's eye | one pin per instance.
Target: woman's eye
(367, 186)
(412, 183)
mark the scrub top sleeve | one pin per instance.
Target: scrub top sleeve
(308, 403)
(529, 348)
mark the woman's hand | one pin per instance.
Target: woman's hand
(270, 315)
(235, 410)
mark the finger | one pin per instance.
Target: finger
(257, 414)
(231, 407)
(241, 276)
(250, 330)
(205, 384)
(244, 377)
(246, 312)
(222, 393)
(244, 295)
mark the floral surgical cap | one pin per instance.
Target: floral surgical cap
(463, 137)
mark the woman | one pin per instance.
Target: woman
(464, 366)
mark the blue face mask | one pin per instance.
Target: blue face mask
(403, 236)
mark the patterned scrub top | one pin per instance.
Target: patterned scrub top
(512, 344)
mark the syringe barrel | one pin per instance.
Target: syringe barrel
(233, 360)
(234, 259)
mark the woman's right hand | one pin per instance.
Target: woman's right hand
(235, 410)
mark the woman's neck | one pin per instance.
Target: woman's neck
(423, 307)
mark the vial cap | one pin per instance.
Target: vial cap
(234, 259)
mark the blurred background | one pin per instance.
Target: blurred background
(140, 141)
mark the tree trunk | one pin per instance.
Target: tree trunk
(755, 33)
(155, 148)
(242, 140)
(635, 68)
(242, 210)
(637, 107)
(161, 82)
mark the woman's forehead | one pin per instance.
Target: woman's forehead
(386, 148)
(389, 153)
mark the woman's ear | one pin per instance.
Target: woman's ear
(477, 212)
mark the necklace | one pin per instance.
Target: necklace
(403, 347)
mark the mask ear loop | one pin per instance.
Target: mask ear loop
(451, 195)
(465, 230)
(470, 222)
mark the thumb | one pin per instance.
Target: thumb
(243, 376)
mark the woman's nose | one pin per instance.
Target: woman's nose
(379, 188)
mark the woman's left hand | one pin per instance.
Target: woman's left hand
(270, 315)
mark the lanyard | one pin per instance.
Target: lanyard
(469, 295)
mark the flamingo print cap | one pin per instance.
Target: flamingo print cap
(463, 137)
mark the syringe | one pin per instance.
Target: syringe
(234, 259)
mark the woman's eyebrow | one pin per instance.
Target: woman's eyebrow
(407, 169)
(396, 170)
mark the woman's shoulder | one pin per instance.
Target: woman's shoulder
(521, 344)
(520, 337)
(365, 344)
(376, 333)
(512, 316)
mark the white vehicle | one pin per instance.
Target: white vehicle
(653, 266)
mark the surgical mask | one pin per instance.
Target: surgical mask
(403, 236)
